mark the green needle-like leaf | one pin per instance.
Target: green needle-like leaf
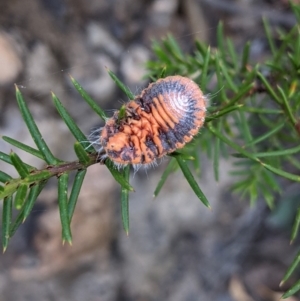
(253, 194)
(6, 158)
(174, 48)
(294, 161)
(270, 180)
(88, 99)
(282, 173)
(203, 80)
(6, 221)
(121, 85)
(269, 198)
(293, 60)
(269, 36)
(253, 157)
(163, 72)
(170, 168)
(4, 177)
(16, 224)
(63, 207)
(286, 152)
(245, 57)
(82, 155)
(217, 156)
(9, 188)
(34, 131)
(34, 193)
(71, 124)
(265, 136)
(191, 180)
(201, 47)
(244, 126)
(293, 290)
(75, 192)
(19, 165)
(218, 114)
(219, 75)
(240, 94)
(233, 54)
(125, 201)
(262, 110)
(232, 144)
(161, 54)
(121, 113)
(296, 225)
(220, 39)
(31, 199)
(296, 10)
(291, 269)
(297, 47)
(184, 155)
(23, 147)
(269, 88)
(285, 43)
(20, 196)
(228, 78)
(118, 176)
(287, 106)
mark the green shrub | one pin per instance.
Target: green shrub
(254, 117)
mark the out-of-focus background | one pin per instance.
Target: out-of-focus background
(177, 249)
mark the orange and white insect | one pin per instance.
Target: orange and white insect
(161, 119)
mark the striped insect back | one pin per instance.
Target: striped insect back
(163, 118)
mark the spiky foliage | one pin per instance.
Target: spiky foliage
(253, 116)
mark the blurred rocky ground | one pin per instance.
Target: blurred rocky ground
(177, 249)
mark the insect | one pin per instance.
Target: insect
(161, 119)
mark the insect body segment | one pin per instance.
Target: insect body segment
(163, 118)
